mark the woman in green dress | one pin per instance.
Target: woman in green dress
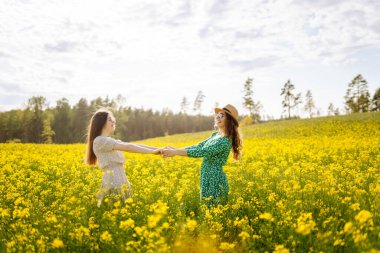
(215, 151)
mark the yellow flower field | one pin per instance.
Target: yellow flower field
(309, 185)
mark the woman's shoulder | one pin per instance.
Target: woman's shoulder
(101, 138)
(226, 139)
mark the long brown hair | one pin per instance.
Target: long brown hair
(232, 131)
(94, 129)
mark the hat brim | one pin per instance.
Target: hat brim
(217, 110)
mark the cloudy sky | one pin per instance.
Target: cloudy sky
(156, 52)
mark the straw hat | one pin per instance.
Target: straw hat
(231, 110)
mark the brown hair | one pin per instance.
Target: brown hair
(94, 129)
(232, 131)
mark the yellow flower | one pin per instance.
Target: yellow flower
(305, 224)
(355, 206)
(11, 244)
(363, 216)
(358, 237)
(129, 200)
(226, 246)
(256, 236)
(244, 235)
(52, 219)
(57, 243)
(106, 236)
(191, 224)
(272, 197)
(91, 223)
(266, 216)
(338, 242)
(139, 230)
(153, 220)
(348, 227)
(280, 249)
(4, 212)
(165, 225)
(127, 224)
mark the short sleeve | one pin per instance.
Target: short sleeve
(104, 143)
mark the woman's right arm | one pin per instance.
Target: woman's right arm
(190, 151)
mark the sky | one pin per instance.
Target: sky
(154, 53)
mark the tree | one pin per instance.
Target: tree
(62, 122)
(309, 104)
(198, 102)
(290, 100)
(248, 102)
(331, 110)
(357, 98)
(47, 133)
(184, 105)
(81, 117)
(318, 112)
(120, 101)
(36, 105)
(376, 101)
(10, 125)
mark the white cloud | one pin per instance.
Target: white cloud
(154, 53)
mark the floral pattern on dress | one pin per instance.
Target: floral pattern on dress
(213, 180)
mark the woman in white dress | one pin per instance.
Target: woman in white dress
(105, 150)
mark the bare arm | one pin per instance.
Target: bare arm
(146, 146)
(174, 152)
(135, 148)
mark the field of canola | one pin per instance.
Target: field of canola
(308, 185)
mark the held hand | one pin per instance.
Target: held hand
(169, 147)
(157, 151)
(168, 152)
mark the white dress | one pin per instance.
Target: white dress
(111, 162)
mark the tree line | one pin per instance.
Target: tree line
(357, 99)
(63, 123)
(39, 123)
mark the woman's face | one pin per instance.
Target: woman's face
(110, 125)
(220, 119)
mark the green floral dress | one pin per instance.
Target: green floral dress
(213, 180)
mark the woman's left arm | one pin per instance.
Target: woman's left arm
(146, 146)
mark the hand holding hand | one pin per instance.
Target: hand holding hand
(168, 152)
(157, 151)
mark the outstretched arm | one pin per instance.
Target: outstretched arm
(167, 152)
(195, 151)
(146, 146)
(135, 148)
